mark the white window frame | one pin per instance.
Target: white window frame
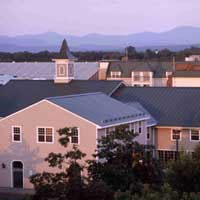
(172, 134)
(20, 127)
(113, 74)
(70, 139)
(191, 136)
(45, 142)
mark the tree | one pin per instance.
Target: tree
(123, 163)
(183, 174)
(68, 182)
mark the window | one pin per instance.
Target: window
(176, 134)
(146, 76)
(75, 136)
(16, 134)
(71, 70)
(61, 69)
(194, 135)
(167, 155)
(110, 130)
(148, 133)
(136, 76)
(116, 74)
(140, 127)
(45, 134)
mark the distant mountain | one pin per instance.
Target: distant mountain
(175, 39)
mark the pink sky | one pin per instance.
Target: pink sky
(81, 17)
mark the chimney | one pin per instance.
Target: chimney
(103, 67)
(64, 65)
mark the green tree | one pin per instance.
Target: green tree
(68, 182)
(183, 174)
(123, 163)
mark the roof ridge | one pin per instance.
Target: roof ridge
(75, 95)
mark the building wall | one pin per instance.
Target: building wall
(186, 82)
(32, 153)
(164, 141)
(141, 138)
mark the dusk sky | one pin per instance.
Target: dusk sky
(81, 17)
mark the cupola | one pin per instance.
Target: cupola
(64, 65)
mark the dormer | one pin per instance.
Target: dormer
(64, 65)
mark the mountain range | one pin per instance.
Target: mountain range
(175, 39)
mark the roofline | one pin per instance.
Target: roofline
(19, 111)
(118, 124)
(183, 127)
(73, 95)
(153, 124)
(114, 90)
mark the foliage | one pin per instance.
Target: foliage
(123, 163)
(68, 183)
(184, 174)
(46, 56)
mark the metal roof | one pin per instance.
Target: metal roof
(194, 74)
(158, 68)
(46, 70)
(151, 121)
(169, 106)
(99, 108)
(18, 94)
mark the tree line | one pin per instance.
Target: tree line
(122, 169)
(46, 56)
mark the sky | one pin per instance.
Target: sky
(80, 17)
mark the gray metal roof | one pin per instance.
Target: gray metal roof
(169, 106)
(18, 94)
(158, 68)
(99, 108)
(151, 121)
(186, 74)
(46, 70)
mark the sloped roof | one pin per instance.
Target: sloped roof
(65, 52)
(169, 106)
(46, 70)
(126, 68)
(99, 108)
(151, 121)
(18, 94)
(183, 74)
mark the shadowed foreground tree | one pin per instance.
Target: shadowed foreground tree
(67, 183)
(183, 175)
(123, 163)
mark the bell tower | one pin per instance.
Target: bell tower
(64, 65)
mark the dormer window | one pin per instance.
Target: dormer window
(115, 74)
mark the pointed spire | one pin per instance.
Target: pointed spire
(65, 52)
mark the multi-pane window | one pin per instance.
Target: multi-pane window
(16, 134)
(167, 155)
(116, 74)
(45, 134)
(74, 136)
(194, 135)
(176, 134)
